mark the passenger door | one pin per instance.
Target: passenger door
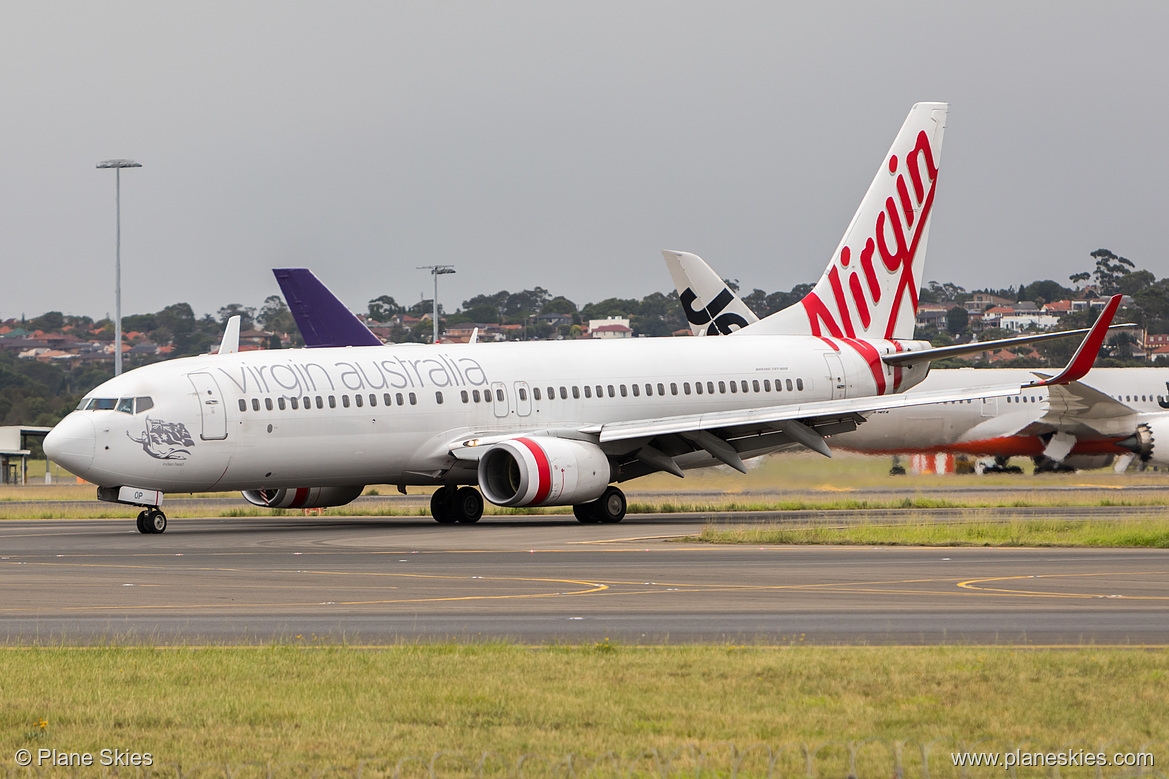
(210, 406)
(499, 399)
(836, 378)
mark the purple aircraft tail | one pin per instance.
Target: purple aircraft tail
(322, 318)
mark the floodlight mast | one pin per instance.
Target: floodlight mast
(436, 271)
(117, 165)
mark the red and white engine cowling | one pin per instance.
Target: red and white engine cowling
(303, 497)
(542, 471)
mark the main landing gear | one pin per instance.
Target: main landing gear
(608, 508)
(151, 520)
(449, 505)
(1045, 464)
(1000, 465)
(465, 505)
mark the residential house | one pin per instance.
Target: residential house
(984, 300)
(553, 320)
(1154, 341)
(612, 327)
(1019, 321)
(932, 315)
(1159, 355)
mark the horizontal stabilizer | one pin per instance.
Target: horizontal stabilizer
(977, 347)
(322, 318)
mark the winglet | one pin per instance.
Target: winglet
(322, 318)
(1082, 360)
(230, 342)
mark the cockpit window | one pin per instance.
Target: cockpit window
(125, 405)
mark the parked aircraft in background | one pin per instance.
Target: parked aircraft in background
(322, 319)
(710, 305)
(1115, 415)
(538, 423)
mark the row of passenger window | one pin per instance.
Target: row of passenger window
(468, 396)
(636, 390)
(1142, 398)
(307, 402)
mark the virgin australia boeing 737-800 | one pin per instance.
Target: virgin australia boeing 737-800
(543, 423)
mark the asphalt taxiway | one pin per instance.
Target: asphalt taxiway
(551, 579)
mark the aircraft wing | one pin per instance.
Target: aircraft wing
(762, 419)
(726, 436)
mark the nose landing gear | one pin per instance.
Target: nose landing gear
(151, 520)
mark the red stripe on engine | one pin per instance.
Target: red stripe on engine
(544, 471)
(300, 498)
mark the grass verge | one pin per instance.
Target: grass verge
(1150, 532)
(337, 705)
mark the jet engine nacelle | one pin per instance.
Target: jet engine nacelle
(540, 471)
(1151, 441)
(303, 497)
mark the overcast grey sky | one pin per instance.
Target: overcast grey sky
(558, 145)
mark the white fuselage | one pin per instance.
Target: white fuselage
(1011, 426)
(390, 414)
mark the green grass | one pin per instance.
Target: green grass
(1145, 532)
(337, 706)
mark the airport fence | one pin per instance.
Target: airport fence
(881, 759)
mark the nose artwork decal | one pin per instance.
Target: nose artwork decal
(165, 440)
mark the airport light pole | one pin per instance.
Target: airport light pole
(117, 165)
(436, 271)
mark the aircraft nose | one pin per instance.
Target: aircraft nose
(71, 443)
